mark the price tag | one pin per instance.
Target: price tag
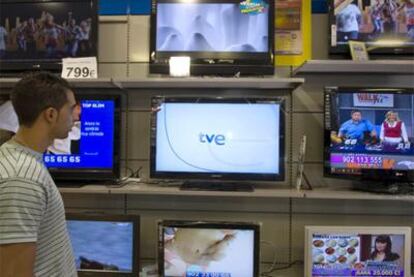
(79, 68)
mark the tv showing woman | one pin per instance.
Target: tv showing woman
(393, 130)
(383, 250)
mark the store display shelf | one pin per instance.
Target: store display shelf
(331, 192)
(211, 82)
(346, 193)
(85, 83)
(402, 67)
(189, 82)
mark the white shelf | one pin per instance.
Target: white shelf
(211, 82)
(402, 67)
(332, 192)
(170, 83)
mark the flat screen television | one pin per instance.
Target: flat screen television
(36, 35)
(357, 251)
(217, 139)
(220, 37)
(105, 245)
(386, 26)
(200, 248)
(91, 150)
(369, 134)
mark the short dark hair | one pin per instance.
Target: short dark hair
(36, 92)
(355, 111)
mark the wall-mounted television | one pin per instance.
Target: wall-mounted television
(386, 26)
(105, 245)
(217, 139)
(220, 37)
(91, 151)
(369, 134)
(36, 35)
(357, 251)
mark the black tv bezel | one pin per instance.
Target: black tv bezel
(381, 175)
(54, 65)
(219, 176)
(135, 219)
(343, 49)
(213, 58)
(255, 227)
(96, 174)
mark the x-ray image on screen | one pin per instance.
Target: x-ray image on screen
(218, 137)
(210, 27)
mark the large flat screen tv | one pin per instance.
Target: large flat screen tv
(91, 150)
(357, 251)
(218, 139)
(369, 134)
(220, 37)
(36, 35)
(386, 26)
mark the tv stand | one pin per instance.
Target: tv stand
(386, 188)
(216, 186)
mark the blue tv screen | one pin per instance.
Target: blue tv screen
(219, 138)
(211, 27)
(92, 143)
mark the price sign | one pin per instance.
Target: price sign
(79, 68)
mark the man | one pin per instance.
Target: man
(356, 127)
(34, 239)
(3, 37)
(347, 22)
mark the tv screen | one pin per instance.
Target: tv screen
(91, 150)
(211, 27)
(369, 132)
(213, 32)
(387, 26)
(208, 249)
(104, 244)
(38, 34)
(358, 251)
(239, 139)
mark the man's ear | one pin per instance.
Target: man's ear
(50, 115)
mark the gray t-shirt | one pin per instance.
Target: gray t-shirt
(31, 210)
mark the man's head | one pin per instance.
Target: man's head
(356, 115)
(42, 98)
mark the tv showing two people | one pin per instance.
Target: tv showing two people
(38, 30)
(211, 27)
(357, 255)
(208, 252)
(370, 130)
(102, 245)
(90, 143)
(374, 21)
(236, 138)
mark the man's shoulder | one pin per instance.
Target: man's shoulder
(17, 163)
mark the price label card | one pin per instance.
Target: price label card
(79, 68)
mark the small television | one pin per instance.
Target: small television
(105, 245)
(36, 35)
(369, 134)
(216, 139)
(357, 251)
(200, 248)
(91, 152)
(92, 149)
(220, 37)
(386, 26)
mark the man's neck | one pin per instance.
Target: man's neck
(35, 140)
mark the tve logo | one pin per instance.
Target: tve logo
(212, 138)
